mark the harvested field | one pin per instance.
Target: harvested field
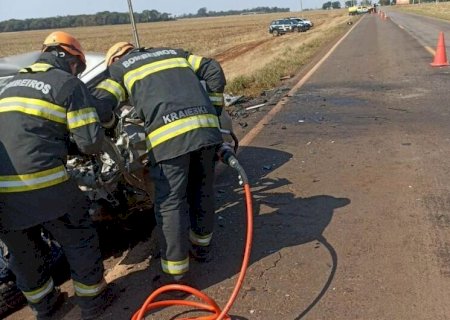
(437, 10)
(241, 43)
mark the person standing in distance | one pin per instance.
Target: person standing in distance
(42, 108)
(181, 120)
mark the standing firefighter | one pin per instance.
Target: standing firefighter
(183, 133)
(41, 109)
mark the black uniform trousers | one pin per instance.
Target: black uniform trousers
(79, 240)
(184, 198)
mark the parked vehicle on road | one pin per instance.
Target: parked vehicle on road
(353, 10)
(362, 9)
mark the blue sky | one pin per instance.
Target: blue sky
(24, 9)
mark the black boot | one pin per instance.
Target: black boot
(200, 253)
(48, 308)
(97, 305)
(165, 279)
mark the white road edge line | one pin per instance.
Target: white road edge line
(251, 135)
(427, 48)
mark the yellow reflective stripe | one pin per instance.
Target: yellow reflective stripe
(216, 99)
(175, 267)
(179, 127)
(195, 61)
(33, 181)
(81, 118)
(200, 240)
(83, 290)
(34, 107)
(37, 67)
(114, 88)
(37, 295)
(138, 74)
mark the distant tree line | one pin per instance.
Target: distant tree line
(351, 3)
(203, 12)
(111, 18)
(331, 5)
(98, 19)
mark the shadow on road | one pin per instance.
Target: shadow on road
(281, 219)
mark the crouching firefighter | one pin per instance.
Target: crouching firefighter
(181, 119)
(41, 109)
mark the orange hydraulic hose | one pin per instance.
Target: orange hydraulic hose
(209, 304)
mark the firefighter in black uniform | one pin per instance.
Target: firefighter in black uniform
(41, 109)
(181, 119)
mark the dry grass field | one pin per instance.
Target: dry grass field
(252, 58)
(439, 10)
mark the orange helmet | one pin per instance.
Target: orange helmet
(65, 41)
(116, 51)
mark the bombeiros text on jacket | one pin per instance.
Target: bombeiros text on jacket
(127, 63)
(30, 83)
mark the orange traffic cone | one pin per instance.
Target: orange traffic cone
(440, 58)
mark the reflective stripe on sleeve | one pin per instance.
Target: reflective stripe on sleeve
(216, 99)
(33, 181)
(195, 61)
(83, 290)
(138, 74)
(37, 67)
(200, 240)
(113, 88)
(37, 295)
(34, 107)
(175, 267)
(81, 118)
(179, 127)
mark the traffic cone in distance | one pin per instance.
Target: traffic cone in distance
(440, 57)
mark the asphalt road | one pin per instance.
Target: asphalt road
(350, 177)
(351, 187)
(424, 29)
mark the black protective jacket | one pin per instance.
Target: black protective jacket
(40, 109)
(164, 85)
